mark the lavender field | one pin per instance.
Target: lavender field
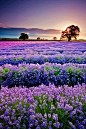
(43, 85)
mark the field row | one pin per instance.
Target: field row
(35, 74)
(54, 48)
(42, 60)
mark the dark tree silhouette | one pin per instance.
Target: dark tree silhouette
(23, 36)
(54, 38)
(38, 38)
(70, 32)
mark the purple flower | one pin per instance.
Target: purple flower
(55, 116)
(38, 127)
(50, 122)
(49, 115)
(45, 115)
(57, 124)
(52, 107)
(68, 107)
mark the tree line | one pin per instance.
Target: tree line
(70, 32)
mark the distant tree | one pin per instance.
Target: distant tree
(54, 38)
(70, 32)
(38, 38)
(23, 36)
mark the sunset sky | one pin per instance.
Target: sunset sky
(43, 14)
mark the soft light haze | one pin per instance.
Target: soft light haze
(44, 14)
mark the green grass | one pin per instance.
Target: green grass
(78, 59)
(47, 68)
(59, 58)
(20, 58)
(71, 70)
(45, 59)
(57, 70)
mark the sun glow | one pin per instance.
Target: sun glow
(65, 24)
(68, 29)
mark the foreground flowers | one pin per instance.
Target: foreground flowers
(43, 107)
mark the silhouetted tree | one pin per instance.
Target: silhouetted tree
(70, 32)
(38, 38)
(23, 36)
(54, 38)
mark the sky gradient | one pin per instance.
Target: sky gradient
(44, 14)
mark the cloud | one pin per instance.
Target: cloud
(42, 31)
(32, 32)
(3, 25)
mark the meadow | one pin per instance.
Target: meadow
(43, 85)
